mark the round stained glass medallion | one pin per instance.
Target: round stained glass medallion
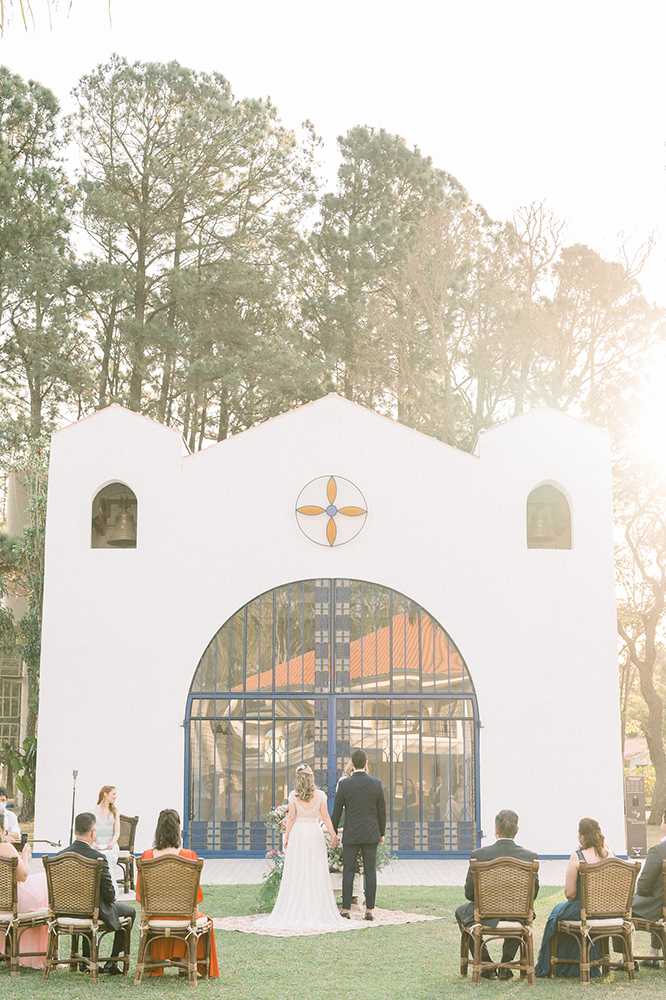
(331, 510)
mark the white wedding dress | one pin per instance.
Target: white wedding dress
(306, 901)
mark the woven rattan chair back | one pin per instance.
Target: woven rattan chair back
(169, 887)
(9, 884)
(127, 832)
(607, 887)
(73, 884)
(504, 888)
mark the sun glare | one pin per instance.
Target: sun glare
(651, 424)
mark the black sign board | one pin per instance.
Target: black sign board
(634, 797)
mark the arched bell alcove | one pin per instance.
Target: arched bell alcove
(114, 518)
(548, 518)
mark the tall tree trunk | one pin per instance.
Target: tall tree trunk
(109, 329)
(223, 425)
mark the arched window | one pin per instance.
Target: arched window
(114, 518)
(309, 672)
(548, 519)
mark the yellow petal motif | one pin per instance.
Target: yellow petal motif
(310, 510)
(331, 531)
(331, 490)
(352, 511)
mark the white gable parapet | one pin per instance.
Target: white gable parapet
(124, 629)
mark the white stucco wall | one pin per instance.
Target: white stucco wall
(124, 629)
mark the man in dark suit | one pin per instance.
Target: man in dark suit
(649, 899)
(85, 828)
(362, 798)
(506, 828)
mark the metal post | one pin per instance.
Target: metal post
(71, 829)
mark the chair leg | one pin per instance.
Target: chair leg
(552, 970)
(207, 950)
(94, 958)
(12, 949)
(605, 956)
(476, 959)
(584, 959)
(73, 950)
(140, 960)
(628, 956)
(464, 952)
(523, 957)
(529, 948)
(51, 945)
(128, 948)
(192, 960)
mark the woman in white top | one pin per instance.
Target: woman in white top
(108, 827)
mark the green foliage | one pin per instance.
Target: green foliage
(271, 880)
(23, 761)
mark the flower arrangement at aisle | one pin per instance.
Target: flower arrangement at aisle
(270, 883)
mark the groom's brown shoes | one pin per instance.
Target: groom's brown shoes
(369, 915)
(345, 915)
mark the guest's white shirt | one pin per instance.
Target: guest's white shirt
(11, 823)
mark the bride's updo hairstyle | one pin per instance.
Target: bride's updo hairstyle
(590, 835)
(305, 786)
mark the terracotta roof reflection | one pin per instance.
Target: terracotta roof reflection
(371, 656)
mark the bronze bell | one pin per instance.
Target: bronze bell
(541, 528)
(124, 532)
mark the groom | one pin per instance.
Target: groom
(362, 798)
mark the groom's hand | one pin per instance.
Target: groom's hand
(381, 841)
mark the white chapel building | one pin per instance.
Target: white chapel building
(329, 580)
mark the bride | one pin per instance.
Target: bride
(306, 901)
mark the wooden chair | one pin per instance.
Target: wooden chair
(12, 922)
(656, 927)
(503, 891)
(606, 892)
(74, 884)
(126, 845)
(169, 890)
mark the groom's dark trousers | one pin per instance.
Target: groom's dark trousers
(349, 858)
(362, 798)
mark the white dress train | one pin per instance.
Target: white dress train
(306, 901)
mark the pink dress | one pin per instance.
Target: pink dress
(32, 895)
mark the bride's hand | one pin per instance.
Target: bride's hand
(335, 840)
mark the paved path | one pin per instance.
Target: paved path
(421, 871)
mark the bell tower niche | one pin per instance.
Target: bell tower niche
(114, 518)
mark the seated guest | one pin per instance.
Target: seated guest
(592, 849)
(8, 820)
(108, 827)
(85, 828)
(167, 841)
(32, 895)
(506, 828)
(649, 899)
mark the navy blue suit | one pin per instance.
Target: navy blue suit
(109, 909)
(362, 798)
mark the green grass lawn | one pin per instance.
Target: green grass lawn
(406, 962)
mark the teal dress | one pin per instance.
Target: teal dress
(105, 829)
(567, 946)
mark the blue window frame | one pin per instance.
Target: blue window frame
(310, 671)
